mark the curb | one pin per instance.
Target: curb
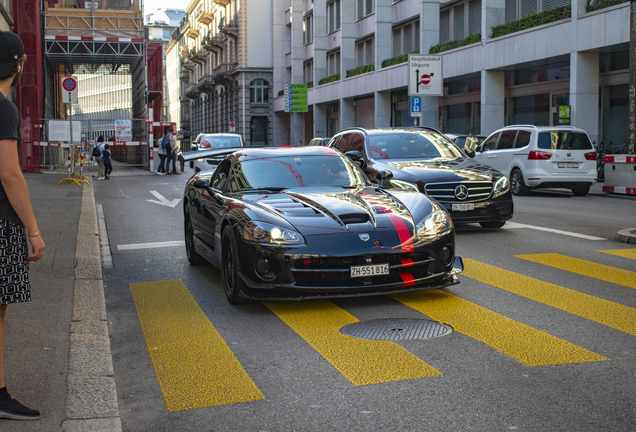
(627, 236)
(91, 401)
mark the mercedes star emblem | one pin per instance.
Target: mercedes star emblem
(461, 192)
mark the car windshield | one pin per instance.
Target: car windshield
(564, 141)
(212, 141)
(296, 171)
(412, 145)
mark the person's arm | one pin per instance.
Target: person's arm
(16, 189)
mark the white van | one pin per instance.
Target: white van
(541, 157)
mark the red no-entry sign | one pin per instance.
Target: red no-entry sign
(69, 90)
(425, 79)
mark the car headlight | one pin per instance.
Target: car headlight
(263, 232)
(438, 222)
(404, 185)
(501, 185)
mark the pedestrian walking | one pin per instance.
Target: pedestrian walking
(17, 222)
(100, 159)
(108, 163)
(171, 152)
(161, 151)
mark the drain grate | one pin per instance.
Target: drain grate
(396, 329)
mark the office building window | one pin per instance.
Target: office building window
(517, 9)
(333, 16)
(460, 20)
(308, 71)
(333, 62)
(259, 91)
(308, 29)
(365, 7)
(365, 52)
(406, 38)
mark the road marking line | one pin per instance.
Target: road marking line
(519, 341)
(361, 361)
(602, 311)
(625, 253)
(194, 366)
(514, 225)
(150, 245)
(586, 268)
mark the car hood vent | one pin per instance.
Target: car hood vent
(354, 218)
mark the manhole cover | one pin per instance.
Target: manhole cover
(396, 329)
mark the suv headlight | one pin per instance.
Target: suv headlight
(404, 185)
(438, 222)
(262, 232)
(501, 185)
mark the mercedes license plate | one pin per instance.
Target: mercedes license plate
(370, 270)
(568, 164)
(462, 207)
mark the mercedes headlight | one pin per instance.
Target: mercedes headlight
(438, 222)
(263, 232)
(404, 185)
(501, 185)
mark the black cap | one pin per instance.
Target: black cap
(11, 50)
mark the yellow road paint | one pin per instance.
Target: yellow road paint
(593, 308)
(360, 361)
(519, 341)
(625, 253)
(586, 268)
(194, 366)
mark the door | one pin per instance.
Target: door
(501, 157)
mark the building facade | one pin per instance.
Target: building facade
(501, 66)
(225, 52)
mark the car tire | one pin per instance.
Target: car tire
(492, 224)
(232, 282)
(517, 185)
(581, 191)
(193, 256)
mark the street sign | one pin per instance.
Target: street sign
(425, 75)
(564, 114)
(296, 98)
(123, 130)
(232, 126)
(68, 87)
(416, 106)
(60, 130)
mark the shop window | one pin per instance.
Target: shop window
(259, 91)
(258, 130)
(406, 38)
(555, 71)
(532, 109)
(333, 16)
(614, 61)
(365, 52)
(460, 20)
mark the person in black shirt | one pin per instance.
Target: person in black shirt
(108, 163)
(17, 222)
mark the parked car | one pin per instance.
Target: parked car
(466, 142)
(424, 160)
(305, 222)
(541, 157)
(318, 141)
(213, 141)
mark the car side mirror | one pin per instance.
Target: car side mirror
(355, 156)
(194, 147)
(384, 178)
(201, 184)
(470, 153)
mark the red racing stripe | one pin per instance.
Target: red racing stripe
(403, 233)
(407, 263)
(408, 279)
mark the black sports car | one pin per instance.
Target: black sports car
(424, 160)
(305, 222)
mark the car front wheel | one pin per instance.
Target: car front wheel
(232, 282)
(517, 184)
(193, 256)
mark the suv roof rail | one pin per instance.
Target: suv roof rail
(520, 125)
(418, 127)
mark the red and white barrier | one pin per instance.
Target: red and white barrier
(620, 174)
(113, 143)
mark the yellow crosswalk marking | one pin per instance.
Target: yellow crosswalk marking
(593, 308)
(194, 366)
(360, 361)
(586, 268)
(524, 343)
(625, 253)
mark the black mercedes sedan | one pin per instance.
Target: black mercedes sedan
(305, 222)
(424, 160)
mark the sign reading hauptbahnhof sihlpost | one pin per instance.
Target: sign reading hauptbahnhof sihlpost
(296, 98)
(425, 75)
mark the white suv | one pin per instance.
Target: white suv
(541, 157)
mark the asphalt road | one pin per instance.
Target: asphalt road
(544, 333)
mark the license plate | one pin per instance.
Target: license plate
(568, 164)
(370, 270)
(462, 207)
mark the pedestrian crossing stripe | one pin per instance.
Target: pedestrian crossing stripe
(611, 314)
(193, 364)
(361, 361)
(524, 343)
(586, 268)
(625, 253)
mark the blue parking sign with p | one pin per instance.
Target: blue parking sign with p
(416, 106)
